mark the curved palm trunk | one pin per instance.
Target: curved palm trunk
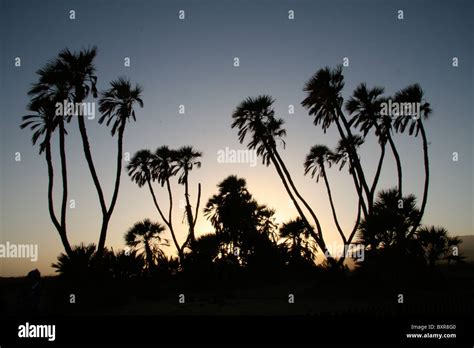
(353, 232)
(197, 205)
(358, 166)
(379, 169)
(189, 213)
(398, 162)
(427, 177)
(331, 202)
(62, 154)
(316, 237)
(290, 181)
(357, 172)
(90, 163)
(49, 161)
(106, 219)
(168, 223)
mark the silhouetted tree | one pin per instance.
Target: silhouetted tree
(146, 235)
(437, 245)
(239, 221)
(318, 156)
(116, 105)
(77, 265)
(365, 107)
(414, 94)
(295, 239)
(324, 100)
(186, 158)
(255, 117)
(43, 123)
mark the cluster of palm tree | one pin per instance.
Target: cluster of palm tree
(255, 119)
(243, 228)
(71, 78)
(146, 167)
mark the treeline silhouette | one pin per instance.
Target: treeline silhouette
(246, 239)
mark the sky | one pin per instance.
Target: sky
(190, 62)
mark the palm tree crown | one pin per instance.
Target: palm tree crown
(116, 104)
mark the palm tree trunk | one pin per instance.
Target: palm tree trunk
(62, 153)
(379, 169)
(170, 222)
(427, 178)
(175, 241)
(355, 158)
(316, 237)
(90, 163)
(356, 169)
(351, 236)
(49, 161)
(149, 255)
(197, 205)
(290, 181)
(333, 209)
(189, 213)
(398, 162)
(105, 222)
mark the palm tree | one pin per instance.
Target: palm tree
(295, 238)
(239, 221)
(256, 117)
(43, 123)
(51, 87)
(78, 263)
(186, 159)
(163, 167)
(341, 156)
(117, 106)
(77, 71)
(436, 243)
(365, 106)
(324, 101)
(414, 94)
(142, 169)
(315, 162)
(389, 224)
(145, 234)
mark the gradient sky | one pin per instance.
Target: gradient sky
(190, 62)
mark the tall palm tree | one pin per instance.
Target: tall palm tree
(414, 94)
(141, 171)
(77, 71)
(117, 107)
(43, 123)
(163, 167)
(365, 106)
(324, 100)
(52, 87)
(315, 164)
(145, 234)
(255, 117)
(186, 159)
